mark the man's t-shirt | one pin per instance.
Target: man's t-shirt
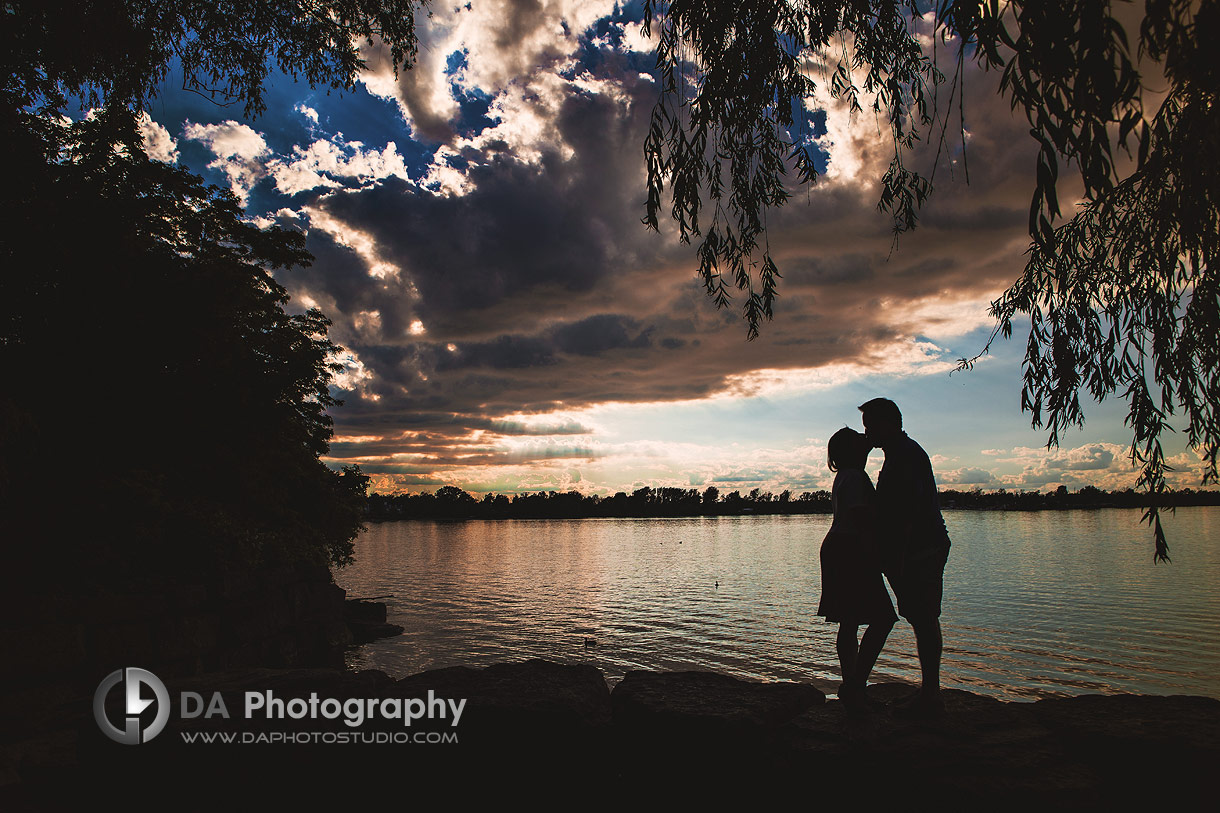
(908, 508)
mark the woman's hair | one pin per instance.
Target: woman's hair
(847, 449)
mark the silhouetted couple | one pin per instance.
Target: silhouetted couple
(895, 529)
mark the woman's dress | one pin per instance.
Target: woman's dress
(853, 591)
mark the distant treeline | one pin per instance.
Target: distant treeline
(450, 502)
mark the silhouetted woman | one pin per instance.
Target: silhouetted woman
(853, 593)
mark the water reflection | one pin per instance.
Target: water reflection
(1035, 604)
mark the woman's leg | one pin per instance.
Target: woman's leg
(870, 648)
(846, 645)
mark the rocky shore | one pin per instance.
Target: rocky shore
(537, 728)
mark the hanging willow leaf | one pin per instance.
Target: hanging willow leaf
(1121, 299)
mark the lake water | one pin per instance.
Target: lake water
(1036, 604)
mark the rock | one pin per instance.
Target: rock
(1144, 749)
(705, 729)
(707, 700)
(540, 695)
(289, 682)
(364, 633)
(981, 751)
(553, 727)
(364, 611)
(233, 684)
(1127, 721)
(367, 620)
(535, 724)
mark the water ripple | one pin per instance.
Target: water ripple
(1035, 604)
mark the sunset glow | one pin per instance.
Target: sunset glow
(509, 325)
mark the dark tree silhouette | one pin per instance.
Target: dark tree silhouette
(161, 372)
(156, 374)
(689, 503)
(1122, 298)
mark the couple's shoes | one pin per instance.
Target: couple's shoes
(919, 706)
(857, 700)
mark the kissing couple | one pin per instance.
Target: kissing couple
(895, 529)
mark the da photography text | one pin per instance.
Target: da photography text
(142, 690)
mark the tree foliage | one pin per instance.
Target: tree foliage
(1122, 297)
(157, 377)
(731, 118)
(119, 51)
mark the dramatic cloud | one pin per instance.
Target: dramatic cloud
(307, 111)
(240, 153)
(1104, 465)
(481, 49)
(323, 162)
(158, 143)
(508, 323)
(521, 257)
(966, 477)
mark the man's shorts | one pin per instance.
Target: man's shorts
(918, 586)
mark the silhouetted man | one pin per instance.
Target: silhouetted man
(913, 540)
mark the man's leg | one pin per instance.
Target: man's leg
(919, 597)
(929, 643)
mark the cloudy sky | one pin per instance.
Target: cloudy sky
(510, 325)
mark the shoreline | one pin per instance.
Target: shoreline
(654, 727)
(646, 502)
(826, 685)
(1016, 509)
